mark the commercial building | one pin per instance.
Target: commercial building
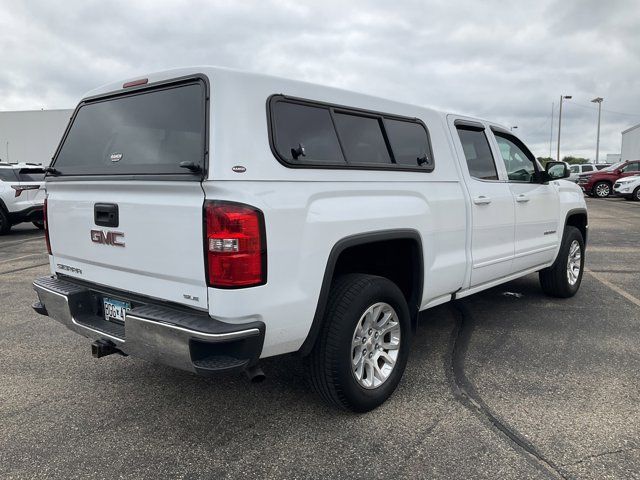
(631, 143)
(31, 136)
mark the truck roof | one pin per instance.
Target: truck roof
(233, 77)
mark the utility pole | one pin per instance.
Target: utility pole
(598, 100)
(553, 106)
(562, 97)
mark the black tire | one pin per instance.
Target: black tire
(555, 279)
(330, 362)
(636, 194)
(39, 224)
(601, 190)
(5, 224)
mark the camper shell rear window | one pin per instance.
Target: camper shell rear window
(147, 131)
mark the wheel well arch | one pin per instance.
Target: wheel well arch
(394, 254)
(577, 218)
(603, 180)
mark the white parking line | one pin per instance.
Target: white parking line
(21, 258)
(16, 242)
(613, 287)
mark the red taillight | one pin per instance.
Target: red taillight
(235, 245)
(46, 226)
(21, 188)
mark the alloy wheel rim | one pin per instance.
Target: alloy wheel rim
(375, 345)
(602, 190)
(574, 262)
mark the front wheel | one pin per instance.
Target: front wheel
(563, 278)
(636, 194)
(362, 349)
(602, 189)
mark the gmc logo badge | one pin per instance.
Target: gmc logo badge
(107, 238)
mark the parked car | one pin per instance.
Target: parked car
(628, 188)
(21, 195)
(205, 219)
(600, 184)
(577, 169)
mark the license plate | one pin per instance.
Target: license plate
(115, 309)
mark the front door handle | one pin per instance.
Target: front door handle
(482, 200)
(522, 198)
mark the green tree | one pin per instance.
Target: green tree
(545, 160)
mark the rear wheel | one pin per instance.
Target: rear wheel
(563, 278)
(5, 224)
(362, 350)
(602, 189)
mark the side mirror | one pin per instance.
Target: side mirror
(557, 170)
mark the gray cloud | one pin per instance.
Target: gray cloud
(506, 61)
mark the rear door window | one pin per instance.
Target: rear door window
(587, 168)
(478, 153)
(149, 132)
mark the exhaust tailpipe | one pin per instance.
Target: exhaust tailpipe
(255, 374)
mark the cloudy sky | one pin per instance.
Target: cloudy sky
(505, 61)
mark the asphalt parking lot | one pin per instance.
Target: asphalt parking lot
(504, 384)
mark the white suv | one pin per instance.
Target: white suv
(628, 187)
(21, 195)
(205, 219)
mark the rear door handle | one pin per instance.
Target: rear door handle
(522, 198)
(482, 200)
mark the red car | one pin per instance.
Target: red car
(600, 184)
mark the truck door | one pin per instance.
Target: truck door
(537, 231)
(492, 208)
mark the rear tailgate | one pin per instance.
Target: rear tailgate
(121, 211)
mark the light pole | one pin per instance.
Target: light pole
(598, 100)
(562, 97)
(553, 107)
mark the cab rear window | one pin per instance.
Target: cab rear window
(146, 132)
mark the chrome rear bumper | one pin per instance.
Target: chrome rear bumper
(174, 336)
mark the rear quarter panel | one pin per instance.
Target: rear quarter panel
(307, 211)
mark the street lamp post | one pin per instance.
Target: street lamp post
(562, 97)
(598, 100)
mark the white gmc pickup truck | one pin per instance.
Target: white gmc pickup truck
(204, 219)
